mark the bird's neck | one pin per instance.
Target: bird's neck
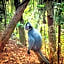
(31, 29)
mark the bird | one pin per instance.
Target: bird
(35, 41)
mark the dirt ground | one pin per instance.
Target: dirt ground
(15, 54)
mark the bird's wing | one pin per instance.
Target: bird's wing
(31, 42)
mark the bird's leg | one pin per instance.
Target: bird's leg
(29, 48)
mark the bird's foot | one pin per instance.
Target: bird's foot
(28, 52)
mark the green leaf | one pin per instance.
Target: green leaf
(19, 24)
(41, 6)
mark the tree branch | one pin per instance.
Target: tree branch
(7, 33)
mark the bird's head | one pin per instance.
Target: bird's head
(28, 26)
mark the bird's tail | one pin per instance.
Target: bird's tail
(43, 57)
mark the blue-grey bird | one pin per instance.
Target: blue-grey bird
(35, 41)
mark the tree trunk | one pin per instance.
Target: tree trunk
(51, 31)
(22, 32)
(59, 47)
(21, 29)
(59, 34)
(7, 33)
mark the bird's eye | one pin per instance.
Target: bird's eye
(28, 25)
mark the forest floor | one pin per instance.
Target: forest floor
(15, 54)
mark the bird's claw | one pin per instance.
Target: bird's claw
(28, 52)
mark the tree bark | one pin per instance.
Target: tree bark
(59, 34)
(59, 47)
(51, 31)
(21, 29)
(7, 33)
(22, 33)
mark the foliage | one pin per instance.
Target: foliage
(59, 13)
(31, 15)
(1, 26)
(20, 24)
(41, 6)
